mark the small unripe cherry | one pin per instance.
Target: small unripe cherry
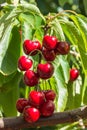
(47, 108)
(31, 47)
(36, 98)
(31, 114)
(62, 48)
(49, 42)
(45, 71)
(74, 73)
(24, 63)
(31, 78)
(21, 104)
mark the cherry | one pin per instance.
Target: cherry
(74, 73)
(31, 114)
(21, 104)
(24, 63)
(49, 42)
(36, 98)
(50, 94)
(62, 48)
(31, 47)
(31, 78)
(49, 55)
(47, 108)
(45, 71)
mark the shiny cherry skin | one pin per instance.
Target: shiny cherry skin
(24, 63)
(47, 108)
(36, 98)
(74, 73)
(31, 78)
(31, 114)
(62, 48)
(50, 94)
(49, 42)
(21, 104)
(31, 47)
(49, 55)
(45, 71)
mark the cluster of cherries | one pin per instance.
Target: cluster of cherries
(40, 102)
(49, 49)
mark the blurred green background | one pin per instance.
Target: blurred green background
(47, 6)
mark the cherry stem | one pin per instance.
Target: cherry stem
(50, 18)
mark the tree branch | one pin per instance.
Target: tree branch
(16, 123)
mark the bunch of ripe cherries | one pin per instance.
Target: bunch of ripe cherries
(40, 102)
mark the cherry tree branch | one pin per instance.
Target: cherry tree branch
(15, 123)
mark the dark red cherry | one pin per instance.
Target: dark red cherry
(49, 42)
(62, 48)
(21, 104)
(31, 78)
(31, 47)
(24, 63)
(31, 114)
(50, 94)
(49, 55)
(74, 73)
(47, 108)
(45, 71)
(36, 98)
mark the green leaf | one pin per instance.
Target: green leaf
(85, 90)
(8, 44)
(39, 22)
(31, 8)
(65, 67)
(82, 26)
(62, 93)
(27, 31)
(74, 95)
(4, 43)
(27, 17)
(56, 29)
(74, 36)
(62, 88)
(6, 78)
(39, 33)
(69, 30)
(9, 94)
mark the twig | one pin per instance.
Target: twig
(57, 118)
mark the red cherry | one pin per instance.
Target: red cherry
(36, 98)
(21, 104)
(31, 47)
(47, 108)
(31, 114)
(45, 71)
(74, 73)
(62, 48)
(49, 55)
(24, 63)
(31, 78)
(49, 42)
(50, 94)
